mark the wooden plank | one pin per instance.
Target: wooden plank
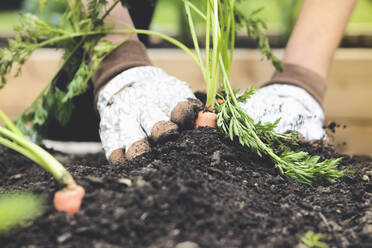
(21, 91)
(246, 69)
(353, 138)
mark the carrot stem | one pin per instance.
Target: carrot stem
(14, 139)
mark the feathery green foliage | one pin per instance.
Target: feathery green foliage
(256, 31)
(222, 18)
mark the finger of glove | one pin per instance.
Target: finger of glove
(309, 126)
(121, 135)
(312, 131)
(262, 107)
(176, 91)
(297, 117)
(179, 103)
(119, 128)
(158, 96)
(156, 123)
(269, 104)
(185, 113)
(176, 102)
(163, 90)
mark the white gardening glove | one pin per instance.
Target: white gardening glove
(138, 104)
(298, 110)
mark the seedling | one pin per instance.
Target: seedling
(312, 240)
(221, 19)
(80, 35)
(68, 199)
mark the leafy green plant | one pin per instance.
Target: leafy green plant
(312, 240)
(12, 138)
(221, 20)
(16, 208)
(80, 33)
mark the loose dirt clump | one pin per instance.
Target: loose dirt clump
(200, 190)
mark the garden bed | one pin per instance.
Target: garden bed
(200, 188)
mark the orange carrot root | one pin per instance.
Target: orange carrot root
(206, 119)
(69, 200)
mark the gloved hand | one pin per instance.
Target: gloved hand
(140, 103)
(298, 110)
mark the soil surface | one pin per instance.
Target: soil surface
(200, 190)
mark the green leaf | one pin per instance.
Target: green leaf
(231, 129)
(79, 84)
(41, 115)
(313, 160)
(16, 208)
(62, 109)
(256, 31)
(312, 240)
(248, 93)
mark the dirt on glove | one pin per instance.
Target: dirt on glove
(200, 190)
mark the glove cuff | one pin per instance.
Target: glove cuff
(130, 54)
(302, 77)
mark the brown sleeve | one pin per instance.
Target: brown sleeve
(130, 54)
(302, 77)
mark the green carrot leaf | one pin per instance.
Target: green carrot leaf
(247, 94)
(17, 208)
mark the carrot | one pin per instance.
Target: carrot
(69, 199)
(206, 119)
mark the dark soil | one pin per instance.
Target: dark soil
(201, 188)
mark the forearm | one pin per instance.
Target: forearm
(118, 14)
(317, 34)
(130, 54)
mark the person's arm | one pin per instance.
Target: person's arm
(121, 14)
(317, 33)
(135, 100)
(296, 94)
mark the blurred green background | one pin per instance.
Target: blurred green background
(280, 15)
(277, 13)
